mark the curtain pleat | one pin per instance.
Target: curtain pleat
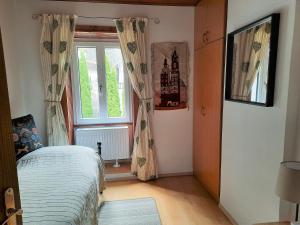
(261, 46)
(242, 54)
(132, 33)
(67, 107)
(250, 49)
(56, 45)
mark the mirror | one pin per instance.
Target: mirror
(251, 62)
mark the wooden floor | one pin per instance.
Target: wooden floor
(125, 167)
(180, 200)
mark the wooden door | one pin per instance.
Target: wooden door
(211, 154)
(199, 97)
(200, 24)
(196, 114)
(208, 89)
(210, 21)
(8, 169)
(215, 19)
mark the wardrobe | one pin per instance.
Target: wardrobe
(210, 30)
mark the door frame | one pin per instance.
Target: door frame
(8, 165)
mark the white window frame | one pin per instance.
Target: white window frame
(103, 117)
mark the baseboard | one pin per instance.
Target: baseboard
(227, 214)
(129, 176)
(161, 175)
(119, 160)
(119, 177)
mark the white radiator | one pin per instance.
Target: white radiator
(114, 140)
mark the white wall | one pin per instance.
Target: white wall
(254, 137)
(172, 129)
(7, 24)
(293, 127)
(292, 137)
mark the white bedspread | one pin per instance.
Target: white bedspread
(60, 185)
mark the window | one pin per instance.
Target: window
(101, 88)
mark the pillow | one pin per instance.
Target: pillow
(25, 136)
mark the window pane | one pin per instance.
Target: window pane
(115, 88)
(89, 94)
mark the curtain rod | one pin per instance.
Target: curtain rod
(156, 20)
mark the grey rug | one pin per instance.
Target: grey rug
(142, 211)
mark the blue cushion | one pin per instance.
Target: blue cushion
(25, 135)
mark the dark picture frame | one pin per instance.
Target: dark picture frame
(269, 99)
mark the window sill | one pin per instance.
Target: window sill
(101, 125)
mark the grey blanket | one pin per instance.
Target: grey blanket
(60, 185)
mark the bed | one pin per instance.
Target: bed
(60, 185)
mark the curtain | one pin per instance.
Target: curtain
(56, 45)
(242, 53)
(260, 51)
(132, 33)
(250, 50)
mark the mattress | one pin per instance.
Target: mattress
(60, 185)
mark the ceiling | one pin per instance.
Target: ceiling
(143, 2)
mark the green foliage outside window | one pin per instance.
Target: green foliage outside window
(85, 88)
(112, 91)
(113, 98)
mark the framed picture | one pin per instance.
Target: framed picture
(170, 75)
(251, 62)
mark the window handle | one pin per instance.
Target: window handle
(100, 89)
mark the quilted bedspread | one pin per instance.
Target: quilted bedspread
(60, 185)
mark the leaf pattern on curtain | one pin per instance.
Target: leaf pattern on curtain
(56, 44)
(130, 67)
(48, 46)
(144, 69)
(132, 47)
(132, 33)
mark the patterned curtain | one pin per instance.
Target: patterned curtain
(242, 53)
(132, 33)
(56, 45)
(250, 50)
(259, 54)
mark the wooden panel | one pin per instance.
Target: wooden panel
(195, 115)
(200, 24)
(210, 161)
(203, 123)
(91, 28)
(210, 25)
(96, 32)
(215, 19)
(143, 2)
(198, 102)
(210, 21)
(208, 86)
(8, 169)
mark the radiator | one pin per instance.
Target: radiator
(115, 141)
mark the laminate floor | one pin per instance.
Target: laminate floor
(180, 200)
